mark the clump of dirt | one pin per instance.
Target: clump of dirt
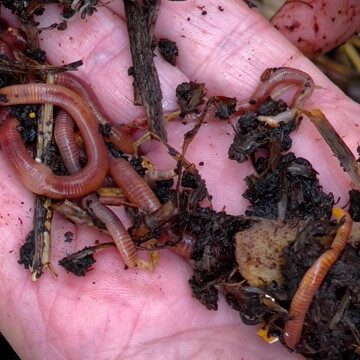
(354, 207)
(163, 190)
(168, 50)
(28, 116)
(290, 191)
(80, 262)
(225, 107)
(190, 96)
(286, 187)
(27, 250)
(213, 252)
(252, 135)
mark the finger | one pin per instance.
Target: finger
(316, 27)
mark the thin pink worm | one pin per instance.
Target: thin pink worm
(312, 280)
(270, 79)
(117, 230)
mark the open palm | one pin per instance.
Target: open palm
(114, 313)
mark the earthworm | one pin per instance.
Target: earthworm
(38, 177)
(65, 140)
(273, 77)
(115, 227)
(120, 137)
(121, 237)
(313, 279)
(134, 186)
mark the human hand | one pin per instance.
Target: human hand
(131, 314)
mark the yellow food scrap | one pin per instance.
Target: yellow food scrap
(263, 332)
(32, 115)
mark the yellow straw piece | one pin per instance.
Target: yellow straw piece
(353, 55)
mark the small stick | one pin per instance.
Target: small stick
(337, 145)
(353, 55)
(77, 215)
(35, 69)
(145, 74)
(43, 212)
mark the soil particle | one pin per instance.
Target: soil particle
(246, 301)
(27, 251)
(105, 130)
(28, 116)
(5, 79)
(354, 208)
(168, 50)
(163, 191)
(136, 162)
(52, 157)
(225, 108)
(189, 180)
(69, 236)
(113, 150)
(189, 96)
(36, 54)
(80, 262)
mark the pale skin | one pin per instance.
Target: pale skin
(114, 313)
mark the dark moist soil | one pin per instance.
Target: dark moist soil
(287, 187)
(284, 187)
(36, 54)
(252, 135)
(213, 252)
(52, 157)
(291, 189)
(68, 236)
(163, 191)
